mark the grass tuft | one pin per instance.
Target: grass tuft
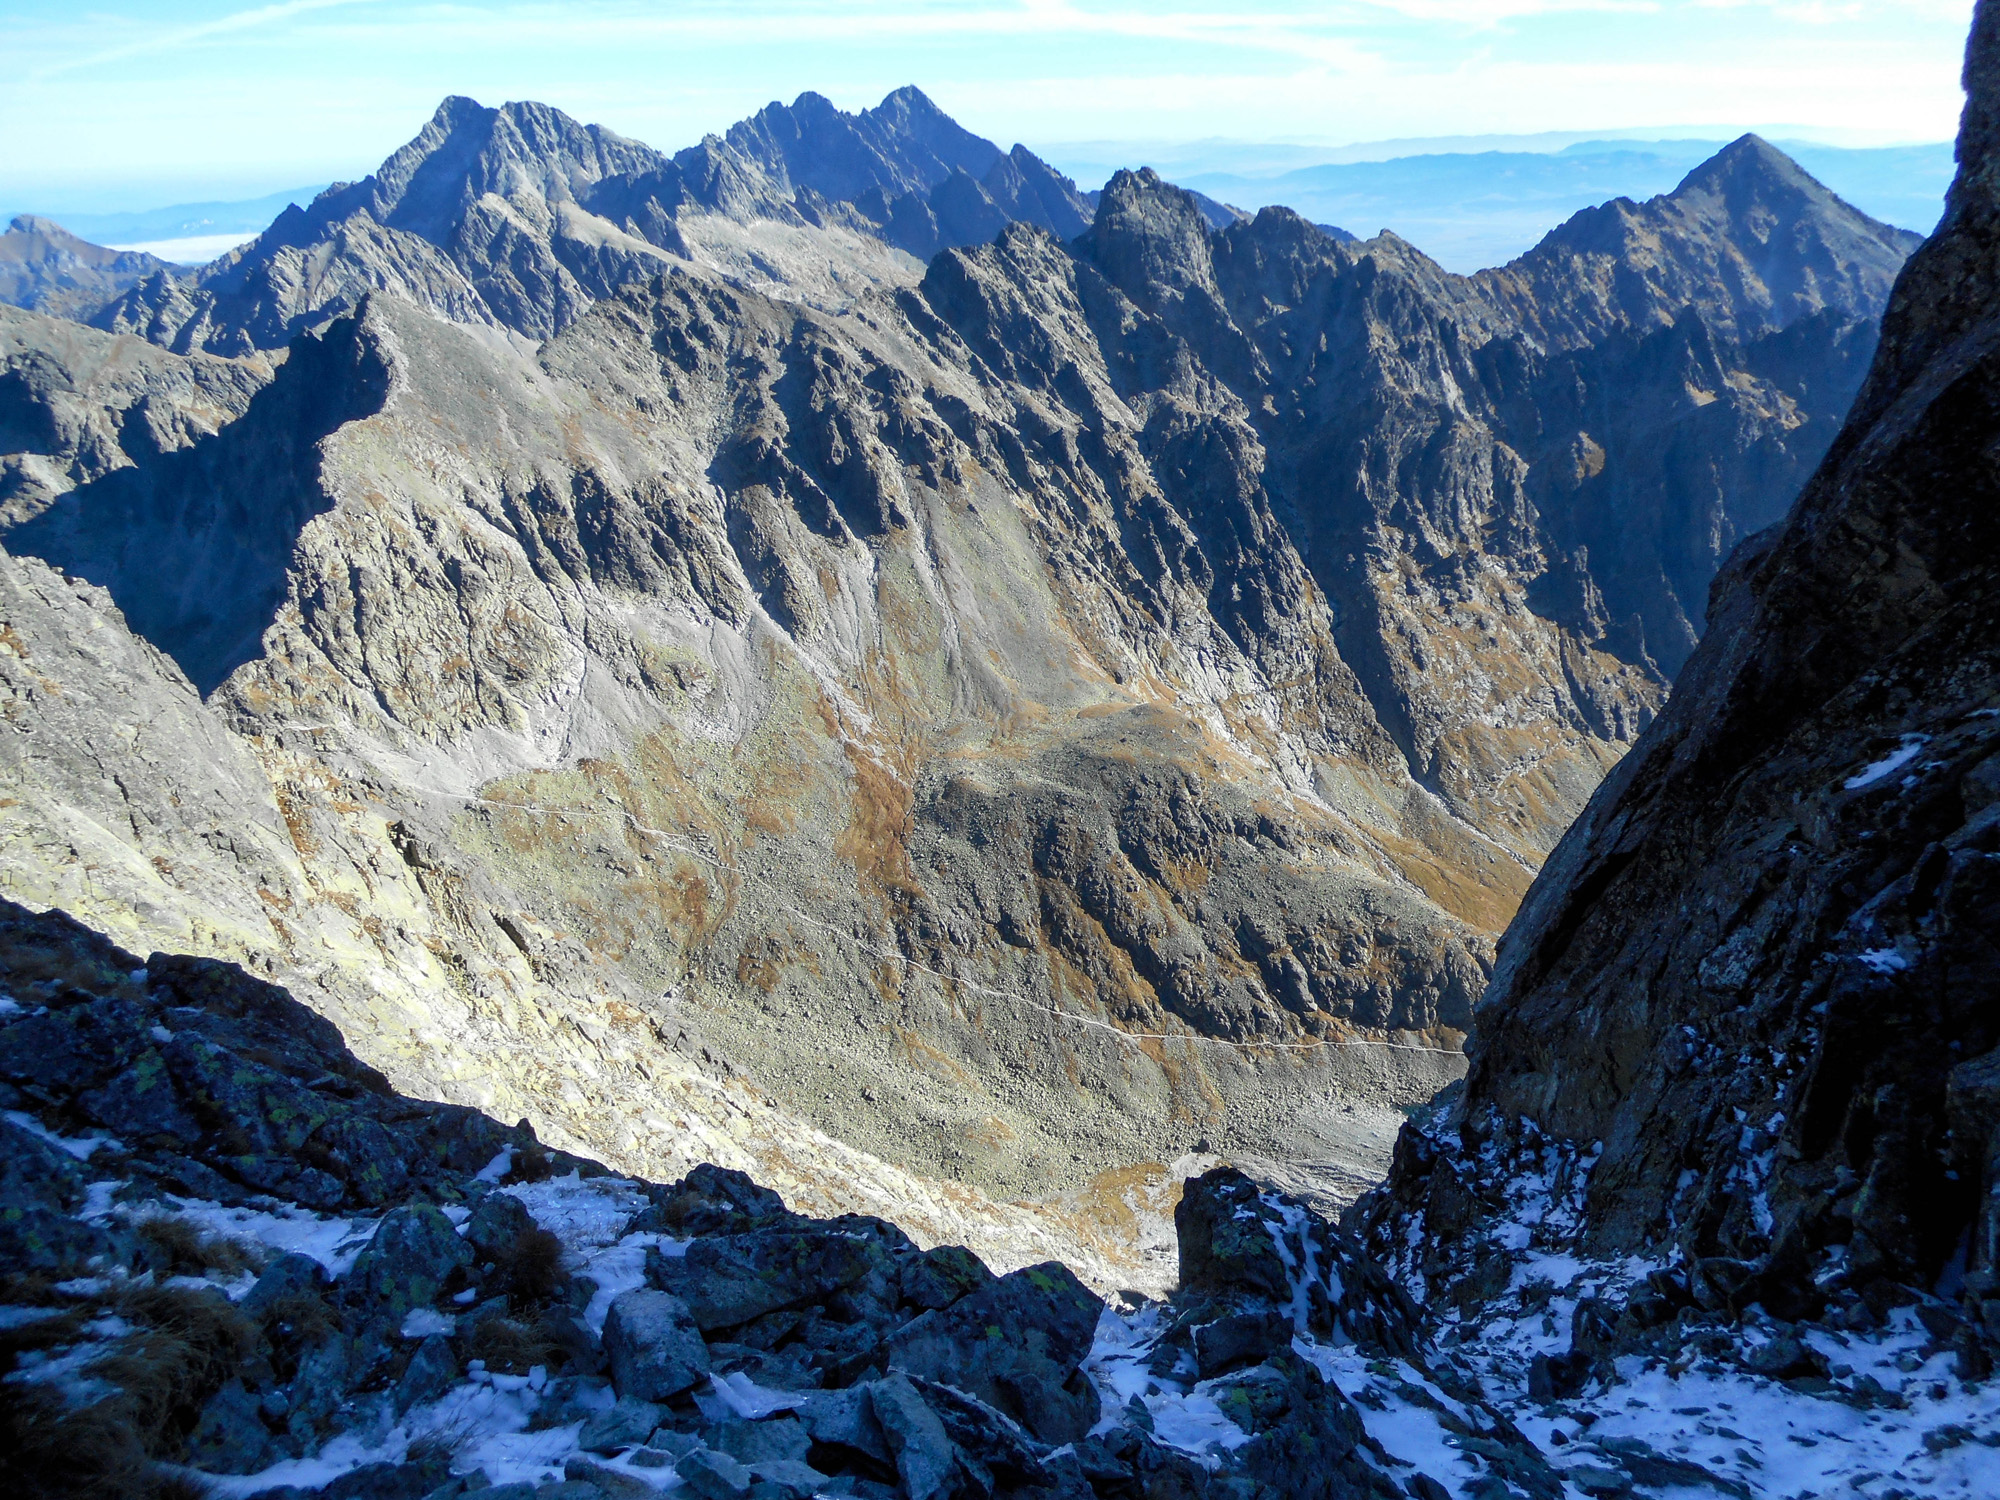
(184, 1248)
(514, 1346)
(531, 1268)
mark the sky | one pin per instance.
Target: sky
(114, 104)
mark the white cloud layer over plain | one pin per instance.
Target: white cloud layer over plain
(106, 99)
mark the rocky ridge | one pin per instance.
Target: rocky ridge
(1098, 700)
(231, 1255)
(233, 1260)
(515, 219)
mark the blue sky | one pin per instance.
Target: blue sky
(117, 104)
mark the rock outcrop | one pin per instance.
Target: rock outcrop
(1744, 1024)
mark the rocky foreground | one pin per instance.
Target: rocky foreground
(237, 1263)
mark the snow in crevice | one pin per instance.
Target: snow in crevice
(1880, 770)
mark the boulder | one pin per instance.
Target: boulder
(290, 1275)
(365, 1156)
(652, 1345)
(846, 1419)
(1239, 1339)
(1306, 1439)
(386, 1481)
(1016, 1345)
(987, 1439)
(785, 1479)
(1558, 1377)
(627, 1424)
(925, 1459)
(229, 1436)
(712, 1200)
(75, 1048)
(408, 1262)
(730, 1279)
(142, 1104)
(1786, 1357)
(325, 1370)
(939, 1277)
(758, 1442)
(1238, 1239)
(34, 1171)
(571, 1398)
(258, 1105)
(714, 1476)
(36, 1239)
(579, 1470)
(432, 1371)
(498, 1221)
(1226, 1246)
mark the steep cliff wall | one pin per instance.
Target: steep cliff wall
(1759, 974)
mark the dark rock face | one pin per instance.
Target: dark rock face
(1240, 1240)
(1016, 1345)
(1755, 983)
(274, 1100)
(45, 268)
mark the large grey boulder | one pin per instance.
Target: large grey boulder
(925, 1458)
(1016, 1345)
(730, 1279)
(712, 1475)
(408, 1262)
(625, 1425)
(654, 1349)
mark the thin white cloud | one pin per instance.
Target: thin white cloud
(339, 82)
(166, 39)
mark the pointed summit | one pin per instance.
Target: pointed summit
(1150, 236)
(906, 144)
(1749, 239)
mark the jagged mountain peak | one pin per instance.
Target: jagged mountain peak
(468, 150)
(906, 144)
(1150, 236)
(1748, 238)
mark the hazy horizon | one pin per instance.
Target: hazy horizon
(190, 100)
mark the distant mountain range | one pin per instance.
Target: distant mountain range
(241, 217)
(1467, 204)
(1470, 210)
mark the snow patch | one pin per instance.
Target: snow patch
(1888, 765)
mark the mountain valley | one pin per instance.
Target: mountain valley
(1107, 849)
(1087, 702)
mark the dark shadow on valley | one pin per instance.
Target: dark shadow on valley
(194, 544)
